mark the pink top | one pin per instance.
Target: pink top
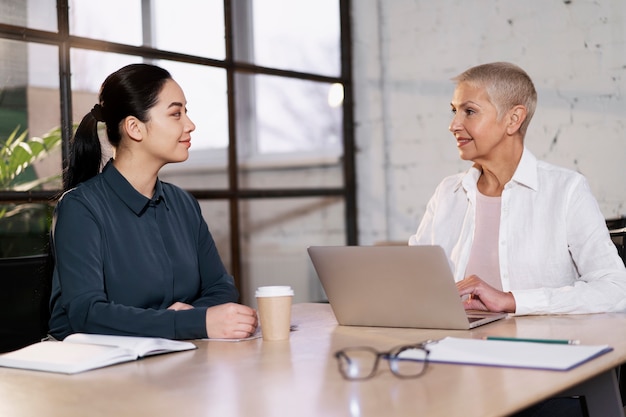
(484, 258)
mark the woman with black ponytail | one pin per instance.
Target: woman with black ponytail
(133, 254)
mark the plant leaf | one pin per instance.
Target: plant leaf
(18, 152)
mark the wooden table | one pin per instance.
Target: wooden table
(299, 377)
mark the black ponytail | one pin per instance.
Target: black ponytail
(85, 156)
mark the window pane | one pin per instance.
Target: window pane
(29, 102)
(275, 235)
(44, 109)
(35, 14)
(203, 31)
(196, 174)
(113, 20)
(290, 174)
(14, 76)
(288, 115)
(296, 35)
(199, 27)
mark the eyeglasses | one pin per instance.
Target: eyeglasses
(360, 363)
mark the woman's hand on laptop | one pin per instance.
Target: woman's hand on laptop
(482, 296)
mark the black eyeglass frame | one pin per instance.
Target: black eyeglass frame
(390, 356)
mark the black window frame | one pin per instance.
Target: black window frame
(233, 193)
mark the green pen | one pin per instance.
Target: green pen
(516, 339)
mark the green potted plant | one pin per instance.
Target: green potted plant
(24, 227)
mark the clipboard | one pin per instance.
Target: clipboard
(512, 354)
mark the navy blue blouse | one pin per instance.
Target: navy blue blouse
(122, 259)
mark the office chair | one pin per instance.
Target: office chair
(25, 285)
(617, 229)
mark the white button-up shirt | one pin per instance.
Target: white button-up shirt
(555, 252)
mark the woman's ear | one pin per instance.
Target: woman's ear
(517, 115)
(134, 128)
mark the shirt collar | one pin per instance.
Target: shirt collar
(525, 173)
(468, 180)
(133, 199)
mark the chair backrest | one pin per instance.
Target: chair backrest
(25, 285)
(617, 229)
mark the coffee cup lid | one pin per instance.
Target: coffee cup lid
(274, 291)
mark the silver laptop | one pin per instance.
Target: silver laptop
(393, 286)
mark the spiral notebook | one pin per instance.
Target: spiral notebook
(393, 286)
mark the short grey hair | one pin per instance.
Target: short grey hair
(507, 86)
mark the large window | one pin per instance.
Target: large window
(268, 84)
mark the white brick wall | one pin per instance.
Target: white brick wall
(406, 51)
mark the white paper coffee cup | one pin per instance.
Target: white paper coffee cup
(274, 303)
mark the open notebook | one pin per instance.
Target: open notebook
(81, 352)
(393, 286)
